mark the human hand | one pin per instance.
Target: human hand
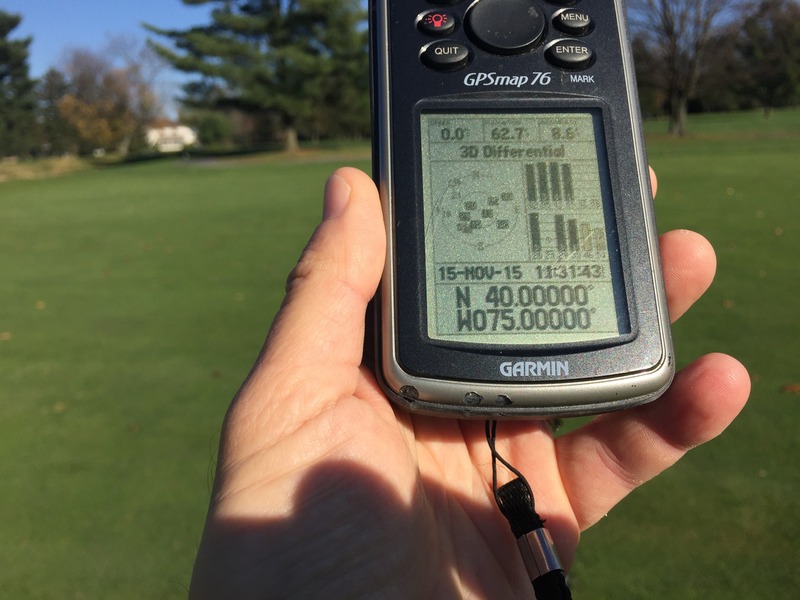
(325, 489)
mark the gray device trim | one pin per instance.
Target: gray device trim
(503, 400)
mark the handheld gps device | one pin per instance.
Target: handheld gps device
(522, 274)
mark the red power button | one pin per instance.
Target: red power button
(436, 22)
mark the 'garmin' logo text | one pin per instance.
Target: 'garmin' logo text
(547, 368)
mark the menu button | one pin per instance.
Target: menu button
(573, 22)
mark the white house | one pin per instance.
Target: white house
(171, 138)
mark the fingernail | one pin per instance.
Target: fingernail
(337, 195)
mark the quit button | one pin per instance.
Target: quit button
(445, 55)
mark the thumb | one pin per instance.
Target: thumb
(313, 351)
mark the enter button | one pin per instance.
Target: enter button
(569, 54)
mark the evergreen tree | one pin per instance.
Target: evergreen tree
(17, 103)
(303, 63)
(768, 46)
(58, 136)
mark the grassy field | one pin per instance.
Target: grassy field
(135, 298)
(726, 521)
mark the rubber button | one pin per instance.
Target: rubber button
(573, 22)
(445, 55)
(569, 54)
(472, 399)
(436, 22)
(506, 26)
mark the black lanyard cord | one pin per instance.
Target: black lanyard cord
(515, 500)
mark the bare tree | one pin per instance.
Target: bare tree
(140, 67)
(143, 67)
(679, 32)
(109, 98)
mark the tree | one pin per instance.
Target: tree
(108, 106)
(17, 102)
(679, 32)
(214, 128)
(768, 52)
(651, 100)
(717, 80)
(140, 67)
(58, 136)
(95, 104)
(300, 62)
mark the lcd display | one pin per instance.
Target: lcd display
(518, 248)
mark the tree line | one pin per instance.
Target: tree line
(715, 55)
(97, 101)
(267, 70)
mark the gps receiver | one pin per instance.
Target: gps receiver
(522, 274)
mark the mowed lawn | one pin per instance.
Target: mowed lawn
(725, 523)
(133, 301)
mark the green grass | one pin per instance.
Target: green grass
(725, 522)
(135, 298)
(734, 127)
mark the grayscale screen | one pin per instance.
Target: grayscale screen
(516, 246)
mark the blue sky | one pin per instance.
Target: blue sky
(58, 25)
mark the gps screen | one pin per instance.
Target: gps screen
(518, 247)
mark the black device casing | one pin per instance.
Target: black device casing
(452, 379)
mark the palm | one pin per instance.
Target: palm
(455, 468)
(417, 493)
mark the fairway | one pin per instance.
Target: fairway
(725, 522)
(135, 299)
